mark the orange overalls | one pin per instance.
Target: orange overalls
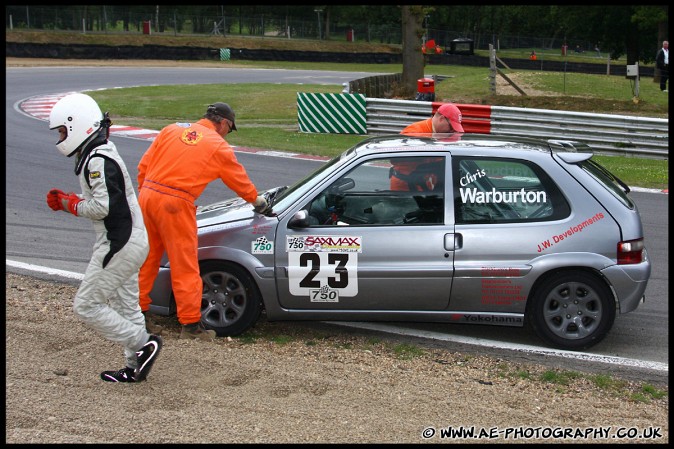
(172, 174)
(405, 168)
(422, 127)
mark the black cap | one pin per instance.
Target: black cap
(223, 110)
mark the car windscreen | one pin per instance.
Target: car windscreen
(296, 190)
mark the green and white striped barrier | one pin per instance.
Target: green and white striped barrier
(331, 113)
(224, 54)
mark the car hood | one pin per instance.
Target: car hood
(234, 209)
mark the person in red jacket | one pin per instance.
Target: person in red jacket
(172, 174)
(446, 120)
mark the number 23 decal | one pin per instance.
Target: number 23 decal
(308, 271)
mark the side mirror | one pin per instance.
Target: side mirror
(299, 220)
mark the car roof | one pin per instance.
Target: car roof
(466, 142)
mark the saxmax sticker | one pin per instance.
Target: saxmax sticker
(324, 243)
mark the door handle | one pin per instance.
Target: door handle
(453, 242)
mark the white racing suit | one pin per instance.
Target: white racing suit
(107, 299)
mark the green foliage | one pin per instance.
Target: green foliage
(639, 397)
(563, 91)
(275, 333)
(247, 338)
(406, 351)
(251, 102)
(561, 378)
(291, 140)
(523, 374)
(648, 173)
(654, 392)
(622, 29)
(606, 382)
(282, 339)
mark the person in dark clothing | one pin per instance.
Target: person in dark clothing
(662, 63)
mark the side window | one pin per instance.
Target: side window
(504, 191)
(384, 192)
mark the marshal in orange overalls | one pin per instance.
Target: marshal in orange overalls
(406, 168)
(172, 174)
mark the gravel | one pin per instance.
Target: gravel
(294, 383)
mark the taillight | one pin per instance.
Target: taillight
(630, 251)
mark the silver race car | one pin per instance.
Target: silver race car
(465, 228)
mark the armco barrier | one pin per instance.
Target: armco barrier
(391, 116)
(476, 118)
(606, 134)
(609, 134)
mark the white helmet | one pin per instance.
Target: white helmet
(81, 116)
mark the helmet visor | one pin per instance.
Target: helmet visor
(63, 134)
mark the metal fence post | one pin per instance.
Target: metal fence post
(492, 69)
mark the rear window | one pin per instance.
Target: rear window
(503, 190)
(608, 180)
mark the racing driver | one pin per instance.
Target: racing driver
(107, 299)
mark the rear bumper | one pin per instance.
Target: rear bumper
(629, 283)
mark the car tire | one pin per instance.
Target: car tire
(231, 302)
(571, 310)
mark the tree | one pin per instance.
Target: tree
(622, 30)
(413, 59)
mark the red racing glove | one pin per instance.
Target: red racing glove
(58, 200)
(53, 199)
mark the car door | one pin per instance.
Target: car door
(512, 215)
(365, 246)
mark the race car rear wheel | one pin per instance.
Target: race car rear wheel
(231, 302)
(572, 310)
